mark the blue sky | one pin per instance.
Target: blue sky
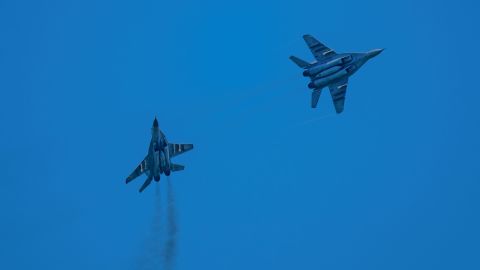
(392, 183)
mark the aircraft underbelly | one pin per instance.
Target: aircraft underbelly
(325, 81)
(156, 164)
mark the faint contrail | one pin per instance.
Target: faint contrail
(171, 241)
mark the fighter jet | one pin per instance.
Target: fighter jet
(331, 69)
(158, 159)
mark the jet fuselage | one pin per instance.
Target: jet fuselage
(159, 154)
(336, 68)
(158, 159)
(330, 69)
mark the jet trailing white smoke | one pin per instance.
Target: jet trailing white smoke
(160, 250)
(171, 241)
(151, 256)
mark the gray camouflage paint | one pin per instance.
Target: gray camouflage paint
(158, 159)
(331, 70)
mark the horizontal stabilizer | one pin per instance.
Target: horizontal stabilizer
(315, 97)
(145, 185)
(301, 63)
(177, 167)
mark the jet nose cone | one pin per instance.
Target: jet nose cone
(374, 53)
(155, 122)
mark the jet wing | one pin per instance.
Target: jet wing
(338, 91)
(319, 50)
(176, 149)
(141, 168)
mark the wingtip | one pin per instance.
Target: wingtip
(307, 37)
(293, 58)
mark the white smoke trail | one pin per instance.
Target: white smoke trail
(171, 241)
(151, 257)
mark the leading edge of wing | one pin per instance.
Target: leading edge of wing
(139, 170)
(318, 49)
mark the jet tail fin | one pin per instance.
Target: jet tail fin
(301, 63)
(177, 167)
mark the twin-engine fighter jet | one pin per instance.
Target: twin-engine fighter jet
(331, 69)
(158, 159)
